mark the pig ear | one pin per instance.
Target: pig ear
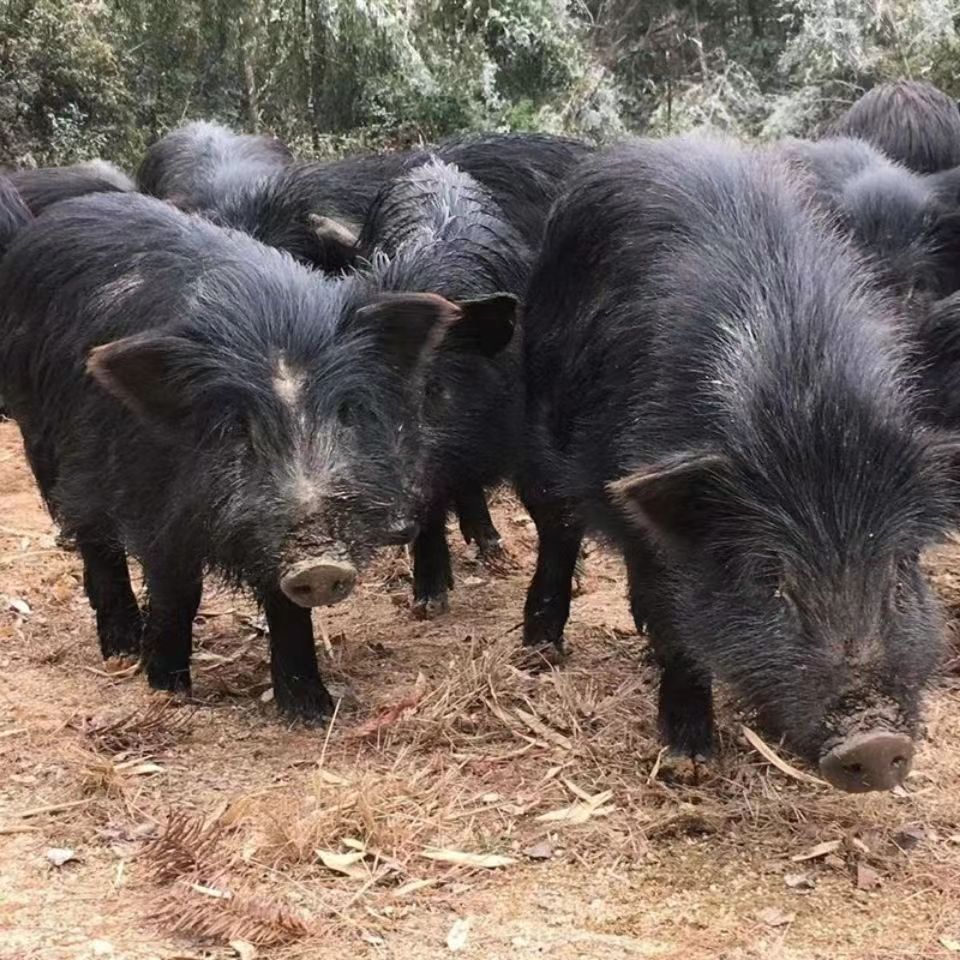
(337, 244)
(142, 372)
(485, 326)
(667, 499)
(409, 326)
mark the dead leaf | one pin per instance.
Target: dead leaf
(859, 845)
(949, 944)
(121, 667)
(542, 730)
(388, 716)
(58, 856)
(820, 850)
(332, 779)
(798, 881)
(413, 886)
(458, 935)
(581, 811)
(771, 757)
(774, 917)
(141, 769)
(486, 861)
(868, 878)
(345, 863)
(540, 851)
(244, 949)
(909, 835)
(214, 892)
(20, 606)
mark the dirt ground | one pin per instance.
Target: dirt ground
(460, 802)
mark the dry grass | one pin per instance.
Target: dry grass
(459, 782)
(149, 729)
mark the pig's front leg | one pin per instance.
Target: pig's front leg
(298, 691)
(685, 700)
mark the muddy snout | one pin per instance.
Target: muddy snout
(874, 760)
(318, 581)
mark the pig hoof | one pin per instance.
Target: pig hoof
(175, 681)
(539, 659)
(311, 706)
(495, 556)
(66, 542)
(120, 647)
(688, 737)
(543, 636)
(430, 608)
(119, 633)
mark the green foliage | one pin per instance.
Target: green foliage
(80, 78)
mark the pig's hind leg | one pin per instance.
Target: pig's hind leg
(476, 524)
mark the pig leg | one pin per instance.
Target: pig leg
(685, 704)
(432, 574)
(298, 690)
(476, 525)
(168, 632)
(548, 598)
(106, 580)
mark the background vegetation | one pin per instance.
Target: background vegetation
(83, 78)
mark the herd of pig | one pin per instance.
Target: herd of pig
(739, 365)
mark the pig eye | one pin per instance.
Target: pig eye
(346, 414)
(436, 392)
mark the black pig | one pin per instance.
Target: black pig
(201, 402)
(911, 121)
(899, 219)
(712, 384)
(44, 186)
(444, 234)
(195, 164)
(296, 207)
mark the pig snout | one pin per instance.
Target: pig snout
(318, 581)
(875, 760)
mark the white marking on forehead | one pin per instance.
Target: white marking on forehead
(115, 292)
(288, 382)
(310, 471)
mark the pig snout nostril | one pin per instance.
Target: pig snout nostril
(875, 760)
(318, 582)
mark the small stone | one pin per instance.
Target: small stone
(58, 856)
(540, 851)
(798, 881)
